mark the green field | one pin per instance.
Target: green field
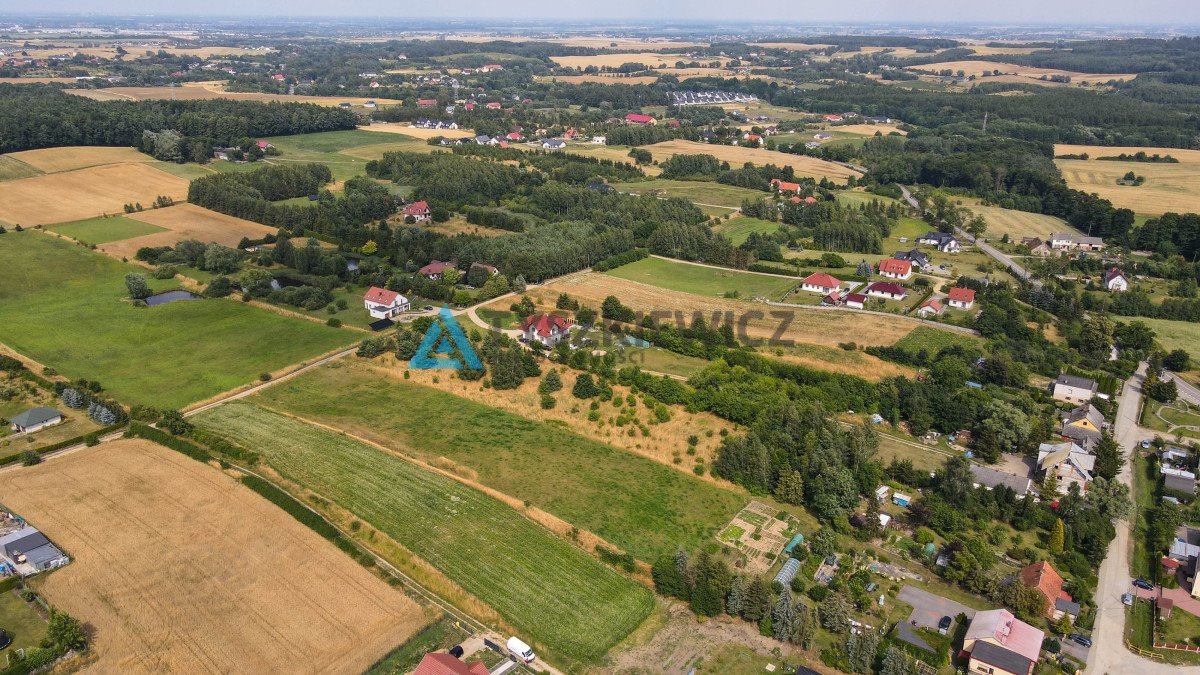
(104, 230)
(12, 168)
(327, 147)
(933, 340)
(702, 192)
(739, 229)
(638, 504)
(22, 623)
(66, 307)
(1172, 335)
(855, 198)
(702, 280)
(562, 601)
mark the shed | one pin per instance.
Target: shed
(901, 499)
(635, 342)
(882, 492)
(791, 545)
(788, 572)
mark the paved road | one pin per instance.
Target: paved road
(1186, 391)
(1109, 655)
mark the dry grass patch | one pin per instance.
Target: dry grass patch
(978, 68)
(54, 160)
(651, 59)
(416, 132)
(203, 93)
(37, 80)
(868, 129)
(791, 46)
(458, 225)
(84, 193)
(1017, 224)
(187, 221)
(607, 78)
(736, 156)
(984, 50)
(184, 570)
(1168, 187)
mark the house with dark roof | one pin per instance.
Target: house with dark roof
(855, 300)
(1083, 424)
(1178, 480)
(887, 290)
(1037, 247)
(548, 329)
(30, 551)
(553, 144)
(1074, 389)
(1115, 281)
(986, 476)
(916, 256)
(942, 241)
(384, 304)
(35, 419)
(436, 268)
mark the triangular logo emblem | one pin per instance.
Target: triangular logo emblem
(443, 336)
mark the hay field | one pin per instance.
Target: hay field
(1017, 224)
(53, 160)
(813, 326)
(415, 132)
(1168, 187)
(75, 195)
(651, 59)
(867, 129)
(203, 93)
(187, 221)
(181, 569)
(977, 68)
(599, 79)
(736, 155)
(792, 46)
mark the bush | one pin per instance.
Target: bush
(547, 402)
(585, 387)
(29, 458)
(334, 323)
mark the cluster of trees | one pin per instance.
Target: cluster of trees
(560, 166)
(210, 257)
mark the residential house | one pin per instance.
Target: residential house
(784, 186)
(833, 118)
(1115, 281)
(547, 329)
(930, 307)
(895, 269)
(484, 139)
(942, 241)
(1001, 644)
(917, 257)
(1068, 463)
(882, 493)
(1084, 424)
(1178, 480)
(436, 268)
(1074, 389)
(599, 140)
(31, 551)
(1047, 581)
(822, 135)
(35, 419)
(987, 477)
(489, 68)
(961, 298)
(441, 663)
(887, 290)
(492, 271)
(385, 304)
(427, 103)
(515, 137)
(1186, 546)
(419, 211)
(371, 104)
(553, 144)
(344, 106)
(820, 282)
(1065, 241)
(643, 120)
(1037, 246)
(855, 300)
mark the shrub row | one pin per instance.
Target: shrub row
(12, 459)
(619, 259)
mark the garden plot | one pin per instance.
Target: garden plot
(757, 534)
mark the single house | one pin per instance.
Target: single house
(427, 103)
(917, 257)
(942, 241)
(1000, 643)
(855, 300)
(991, 479)
(887, 290)
(643, 120)
(441, 663)
(822, 135)
(1115, 281)
(1084, 424)
(553, 144)
(820, 282)
(1179, 480)
(28, 546)
(895, 269)
(1047, 581)
(492, 271)
(1074, 389)
(961, 298)
(547, 329)
(436, 268)
(930, 308)
(35, 419)
(784, 186)
(833, 118)
(881, 493)
(1063, 241)
(420, 211)
(1037, 247)
(385, 304)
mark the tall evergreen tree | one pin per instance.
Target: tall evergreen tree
(784, 617)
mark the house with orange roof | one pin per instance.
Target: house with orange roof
(895, 269)
(1046, 580)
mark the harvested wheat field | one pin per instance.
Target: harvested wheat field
(416, 132)
(813, 326)
(54, 160)
(37, 80)
(1168, 187)
(650, 59)
(84, 193)
(1017, 224)
(612, 78)
(201, 93)
(978, 68)
(984, 50)
(187, 221)
(737, 155)
(868, 129)
(181, 569)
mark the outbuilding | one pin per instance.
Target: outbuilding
(35, 419)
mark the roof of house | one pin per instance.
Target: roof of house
(1113, 274)
(916, 256)
(785, 186)
(416, 208)
(1076, 381)
(931, 304)
(1015, 635)
(960, 294)
(486, 267)
(636, 117)
(440, 663)
(1071, 607)
(1085, 411)
(25, 544)
(893, 266)
(887, 287)
(821, 279)
(35, 416)
(856, 297)
(381, 296)
(437, 267)
(1042, 576)
(994, 478)
(1004, 659)
(544, 323)
(934, 235)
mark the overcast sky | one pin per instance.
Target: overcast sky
(1115, 12)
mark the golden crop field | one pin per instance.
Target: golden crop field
(37, 80)
(1017, 224)
(53, 160)
(202, 93)
(736, 156)
(84, 193)
(604, 78)
(792, 46)
(868, 129)
(1168, 187)
(415, 132)
(179, 568)
(187, 221)
(979, 67)
(651, 59)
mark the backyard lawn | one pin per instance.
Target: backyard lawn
(22, 623)
(167, 356)
(702, 280)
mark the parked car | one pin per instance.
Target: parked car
(944, 625)
(1081, 639)
(1143, 584)
(520, 651)
(1145, 444)
(428, 308)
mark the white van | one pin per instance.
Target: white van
(520, 651)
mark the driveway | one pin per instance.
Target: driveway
(928, 608)
(1182, 599)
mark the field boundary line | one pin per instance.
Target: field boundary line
(248, 389)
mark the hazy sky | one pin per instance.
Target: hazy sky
(1116, 12)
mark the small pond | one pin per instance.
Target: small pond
(285, 282)
(170, 296)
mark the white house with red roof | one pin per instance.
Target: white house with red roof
(887, 290)
(384, 304)
(833, 118)
(489, 68)
(960, 298)
(855, 300)
(1115, 281)
(930, 307)
(427, 103)
(547, 329)
(420, 211)
(820, 282)
(895, 269)
(784, 186)
(637, 118)
(436, 268)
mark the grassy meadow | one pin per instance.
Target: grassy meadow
(636, 503)
(738, 229)
(104, 230)
(565, 603)
(702, 280)
(67, 307)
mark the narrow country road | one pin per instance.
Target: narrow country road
(1186, 391)
(270, 383)
(1109, 654)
